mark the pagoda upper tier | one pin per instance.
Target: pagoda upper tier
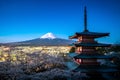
(88, 34)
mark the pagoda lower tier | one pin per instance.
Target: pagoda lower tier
(89, 59)
(85, 62)
(91, 68)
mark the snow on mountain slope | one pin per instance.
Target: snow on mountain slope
(48, 35)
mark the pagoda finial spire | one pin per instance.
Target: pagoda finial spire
(85, 19)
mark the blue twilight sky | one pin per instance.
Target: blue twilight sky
(28, 19)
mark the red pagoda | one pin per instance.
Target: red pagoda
(85, 59)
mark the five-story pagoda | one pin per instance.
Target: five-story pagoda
(85, 58)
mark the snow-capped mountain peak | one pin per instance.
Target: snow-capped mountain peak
(48, 35)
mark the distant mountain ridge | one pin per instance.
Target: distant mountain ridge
(47, 39)
(42, 42)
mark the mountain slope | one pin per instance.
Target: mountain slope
(47, 39)
(42, 42)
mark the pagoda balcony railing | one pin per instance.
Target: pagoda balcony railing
(81, 62)
(88, 52)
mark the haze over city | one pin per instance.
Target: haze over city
(28, 19)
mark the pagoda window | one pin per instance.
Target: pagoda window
(79, 49)
(78, 61)
(88, 40)
(80, 39)
(88, 50)
(91, 61)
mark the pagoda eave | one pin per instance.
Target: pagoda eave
(73, 37)
(88, 34)
(94, 68)
(72, 55)
(92, 34)
(72, 65)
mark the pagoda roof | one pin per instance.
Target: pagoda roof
(90, 44)
(90, 34)
(72, 65)
(96, 68)
(90, 68)
(89, 56)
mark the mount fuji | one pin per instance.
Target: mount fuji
(48, 39)
(48, 36)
